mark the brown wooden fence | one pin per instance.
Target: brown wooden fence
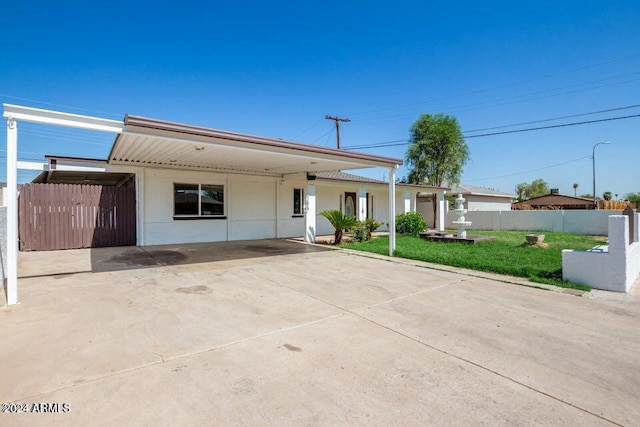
(70, 216)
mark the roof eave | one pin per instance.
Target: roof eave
(132, 122)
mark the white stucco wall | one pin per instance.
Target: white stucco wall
(612, 268)
(592, 222)
(330, 195)
(250, 207)
(487, 203)
(255, 207)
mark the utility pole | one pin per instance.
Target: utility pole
(337, 120)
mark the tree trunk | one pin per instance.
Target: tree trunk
(434, 200)
(337, 237)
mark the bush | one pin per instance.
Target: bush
(363, 231)
(410, 223)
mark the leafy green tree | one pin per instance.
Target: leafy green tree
(537, 188)
(633, 198)
(437, 152)
(587, 196)
(607, 195)
(521, 190)
(340, 222)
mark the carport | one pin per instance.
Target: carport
(143, 142)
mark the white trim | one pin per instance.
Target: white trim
(43, 166)
(310, 214)
(362, 203)
(35, 166)
(12, 211)
(392, 209)
(36, 115)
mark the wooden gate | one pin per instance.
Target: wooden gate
(71, 216)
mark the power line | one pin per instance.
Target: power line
(553, 126)
(404, 141)
(515, 98)
(529, 171)
(328, 136)
(324, 134)
(498, 87)
(308, 129)
(59, 105)
(555, 118)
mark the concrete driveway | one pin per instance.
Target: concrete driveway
(280, 333)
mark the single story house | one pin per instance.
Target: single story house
(554, 201)
(367, 196)
(167, 182)
(476, 199)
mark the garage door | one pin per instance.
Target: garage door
(71, 216)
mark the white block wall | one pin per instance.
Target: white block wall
(613, 268)
(587, 222)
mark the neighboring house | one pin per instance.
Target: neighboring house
(476, 199)
(554, 201)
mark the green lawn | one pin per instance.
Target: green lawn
(504, 255)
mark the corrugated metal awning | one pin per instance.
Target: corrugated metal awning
(150, 142)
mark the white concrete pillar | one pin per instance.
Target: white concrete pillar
(140, 210)
(310, 214)
(407, 202)
(392, 209)
(414, 202)
(12, 211)
(442, 212)
(362, 204)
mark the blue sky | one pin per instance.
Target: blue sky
(277, 68)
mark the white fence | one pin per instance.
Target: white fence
(588, 222)
(612, 267)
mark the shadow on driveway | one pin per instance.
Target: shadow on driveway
(53, 263)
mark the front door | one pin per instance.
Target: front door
(350, 204)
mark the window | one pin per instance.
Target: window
(298, 197)
(198, 200)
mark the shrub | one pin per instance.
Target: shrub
(410, 223)
(340, 222)
(363, 231)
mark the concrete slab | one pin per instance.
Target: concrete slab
(296, 334)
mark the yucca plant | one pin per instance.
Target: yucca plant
(340, 222)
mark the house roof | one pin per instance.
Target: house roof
(339, 176)
(556, 200)
(152, 142)
(474, 190)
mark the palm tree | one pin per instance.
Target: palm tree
(340, 222)
(575, 188)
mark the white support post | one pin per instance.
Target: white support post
(407, 202)
(392, 209)
(140, 211)
(310, 214)
(12, 211)
(362, 204)
(442, 212)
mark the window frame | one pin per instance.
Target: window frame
(301, 193)
(199, 215)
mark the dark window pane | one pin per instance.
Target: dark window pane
(185, 199)
(297, 201)
(212, 200)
